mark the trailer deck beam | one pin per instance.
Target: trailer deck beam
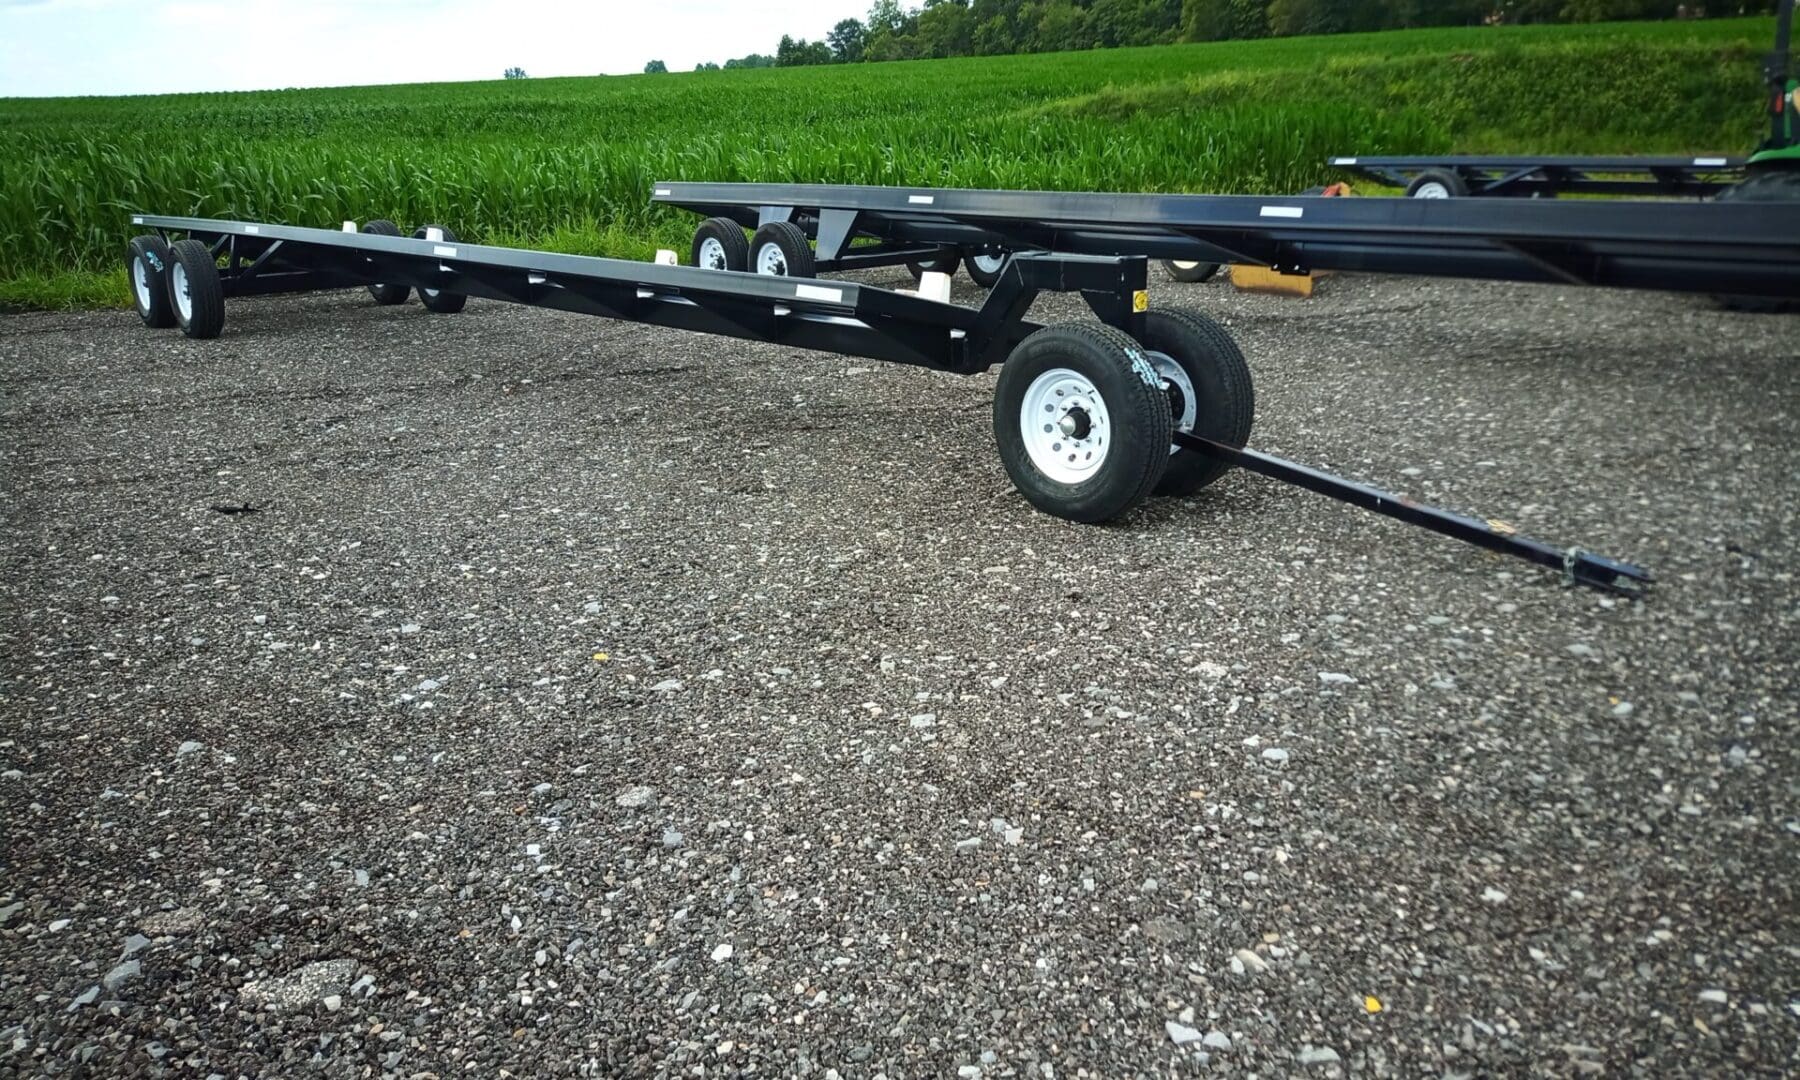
(1711, 247)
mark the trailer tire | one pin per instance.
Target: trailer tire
(940, 264)
(780, 249)
(386, 294)
(195, 290)
(1082, 422)
(720, 244)
(1774, 186)
(1191, 272)
(1437, 184)
(1211, 393)
(444, 303)
(147, 267)
(985, 267)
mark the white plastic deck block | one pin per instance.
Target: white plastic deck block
(935, 286)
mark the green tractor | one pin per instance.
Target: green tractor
(1781, 151)
(1772, 173)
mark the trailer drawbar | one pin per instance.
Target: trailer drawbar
(1090, 417)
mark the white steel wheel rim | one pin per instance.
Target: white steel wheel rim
(712, 253)
(988, 264)
(178, 286)
(771, 261)
(1176, 376)
(1431, 189)
(140, 281)
(1182, 264)
(432, 293)
(1066, 428)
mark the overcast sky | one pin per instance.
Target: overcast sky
(57, 47)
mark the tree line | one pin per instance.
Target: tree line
(942, 28)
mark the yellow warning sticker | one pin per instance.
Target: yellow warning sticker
(1140, 300)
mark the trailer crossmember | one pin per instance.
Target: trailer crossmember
(1089, 419)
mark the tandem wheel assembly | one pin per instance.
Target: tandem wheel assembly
(1085, 416)
(176, 285)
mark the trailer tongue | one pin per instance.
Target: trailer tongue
(1090, 418)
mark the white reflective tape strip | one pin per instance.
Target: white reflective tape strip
(662, 191)
(137, 219)
(922, 200)
(252, 229)
(1284, 211)
(1343, 161)
(1709, 161)
(818, 292)
(446, 252)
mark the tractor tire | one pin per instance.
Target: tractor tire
(942, 264)
(1190, 272)
(780, 249)
(1211, 393)
(1082, 422)
(195, 290)
(147, 268)
(1437, 184)
(720, 244)
(1773, 186)
(386, 295)
(985, 267)
(437, 300)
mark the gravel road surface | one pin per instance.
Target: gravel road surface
(591, 699)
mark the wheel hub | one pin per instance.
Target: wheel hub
(1065, 426)
(1184, 406)
(184, 297)
(712, 253)
(770, 260)
(1075, 423)
(1432, 190)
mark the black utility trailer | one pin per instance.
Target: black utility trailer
(1548, 177)
(1090, 417)
(1743, 248)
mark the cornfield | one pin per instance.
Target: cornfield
(527, 159)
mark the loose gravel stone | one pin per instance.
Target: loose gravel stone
(300, 987)
(177, 922)
(120, 975)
